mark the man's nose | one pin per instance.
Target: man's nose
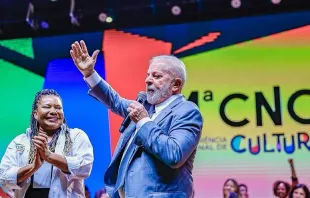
(148, 80)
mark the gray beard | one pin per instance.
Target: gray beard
(158, 94)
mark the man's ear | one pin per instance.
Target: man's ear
(177, 85)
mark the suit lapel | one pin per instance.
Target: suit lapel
(127, 134)
(123, 140)
(166, 111)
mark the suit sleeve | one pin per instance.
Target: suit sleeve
(103, 92)
(173, 148)
(294, 181)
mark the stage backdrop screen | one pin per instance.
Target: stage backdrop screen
(248, 76)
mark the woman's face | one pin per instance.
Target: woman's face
(229, 187)
(299, 193)
(243, 191)
(49, 113)
(281, 190)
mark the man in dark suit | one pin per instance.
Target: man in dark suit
(155, 154)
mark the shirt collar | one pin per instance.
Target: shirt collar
(159, 107)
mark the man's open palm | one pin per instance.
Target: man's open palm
(81, 58)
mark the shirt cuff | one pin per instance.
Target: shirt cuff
(73, 163)
(11, 179)
(20, 186)
(93, 79)
(141, 122)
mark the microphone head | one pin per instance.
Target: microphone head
(141, 96)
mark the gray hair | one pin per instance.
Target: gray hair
(173, 65)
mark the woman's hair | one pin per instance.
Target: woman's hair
(304, 187)
(243, 185)
(235, 183)
(34, 126)
(277, 183)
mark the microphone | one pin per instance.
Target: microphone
(141, 98)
